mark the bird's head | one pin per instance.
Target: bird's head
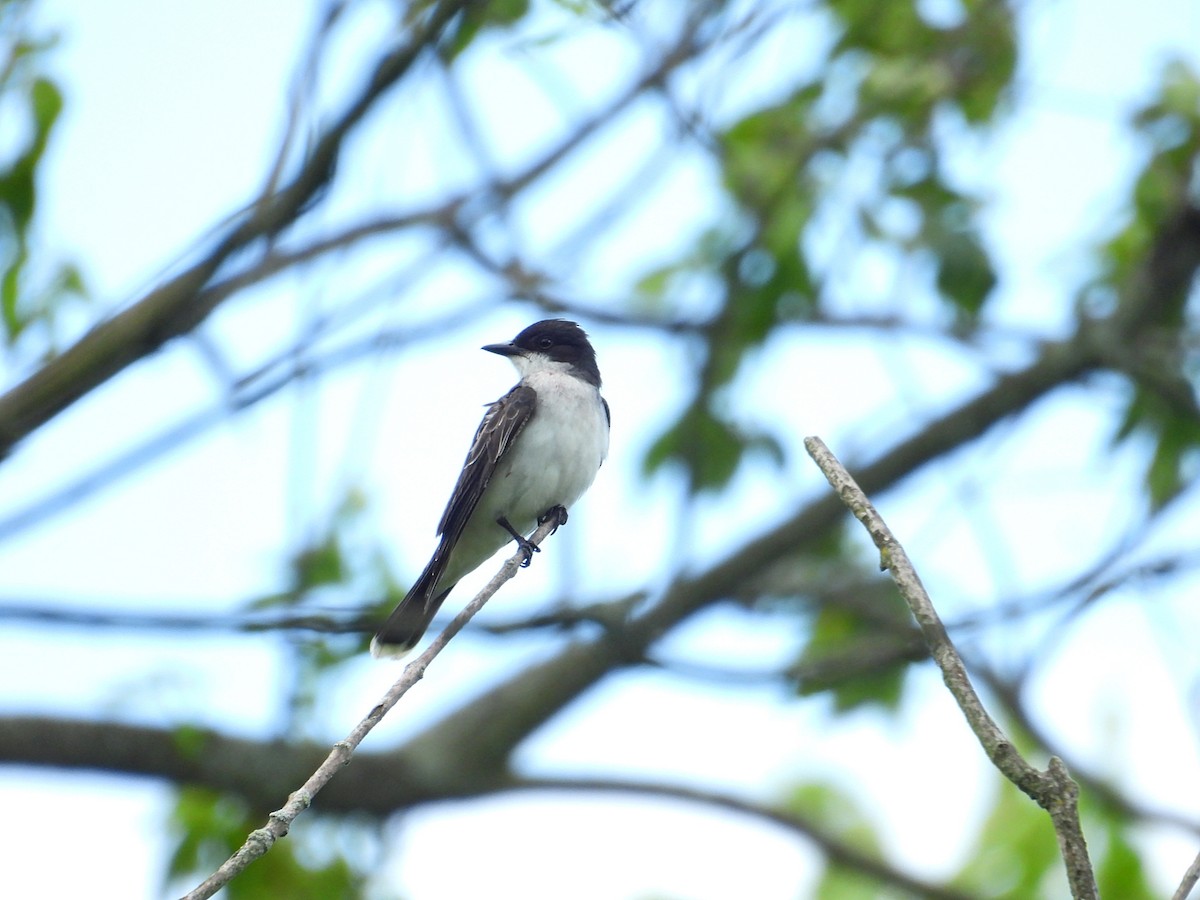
(551, 344)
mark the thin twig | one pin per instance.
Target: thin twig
(181, 303)
(1053, 789)
(1190, 877)
(250, 390)
(261, 840)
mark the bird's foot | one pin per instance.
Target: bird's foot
(523, 544)
(558, 513)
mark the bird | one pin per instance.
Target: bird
(535, 453)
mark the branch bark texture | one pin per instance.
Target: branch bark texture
(261, 840)
(1053, 788)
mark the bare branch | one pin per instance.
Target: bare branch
(1053, 789)
(481, 734)
(70, 614)
(179, 305)
(1190, 877)
(834, 849)
(265, 381)
(1099, 787)
(262, 839)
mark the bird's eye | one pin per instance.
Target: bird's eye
(545, 343)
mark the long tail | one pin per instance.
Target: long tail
(406, 625)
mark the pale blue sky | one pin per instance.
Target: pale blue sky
(172, 115)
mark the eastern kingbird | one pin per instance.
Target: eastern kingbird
(537, 449)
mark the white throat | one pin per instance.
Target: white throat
(539, 364)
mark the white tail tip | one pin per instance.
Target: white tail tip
(389, 651)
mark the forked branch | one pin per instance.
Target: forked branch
(1053, 789)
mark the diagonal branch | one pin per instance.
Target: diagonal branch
(261, 840)
(1190, 877)
(1053, 789)
(477, 739)
(181, 304)
(484, 732)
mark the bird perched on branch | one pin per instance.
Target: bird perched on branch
(536, 451)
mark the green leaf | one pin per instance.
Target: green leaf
(985, 58)
(964, 271)
(26, 92)
(1180, 91)
(211, 826)
(1119, 872)
(837, 811)
(1174, 428)
(70, 281)
(46, 102)
(907, 88)
(1015, 852)
(17, 194)
(882, 28)
(1178, 442)
(765, 153)
(479, 17)
(191, 741)
(708, 448)
(13, 321)
(840, 816)
(319, 565)
(840, 633)
(17, 185)
(654, 284)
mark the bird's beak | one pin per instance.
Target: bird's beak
(508, 349)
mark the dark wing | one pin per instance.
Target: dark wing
(500, 426)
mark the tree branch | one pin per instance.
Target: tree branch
(1099, 788)
(262, 839)
(476, 739)
(252, 389)
(835, 850)
(1053, 789)
(488, 728)
(1190, 877)
(181, 304)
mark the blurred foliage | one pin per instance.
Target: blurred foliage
(341, 563)
(1119, 868)
(1161, 405)
(872, 625)
(479, 17)
(31, 290)
(1016, 852)
(841, 819)
(210, 827)
(861, 147)
(857, 637)
(331, 571)
(1015, 856)
(869, 126)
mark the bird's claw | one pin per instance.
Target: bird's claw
(528, 548)
(523, 543)
(558, 513)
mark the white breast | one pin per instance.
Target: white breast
(558, 453)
